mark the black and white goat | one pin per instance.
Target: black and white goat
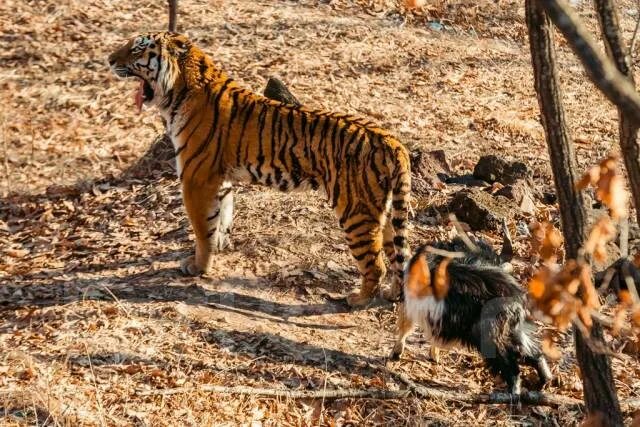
(483, 309)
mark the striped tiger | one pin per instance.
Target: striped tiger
(223, 133)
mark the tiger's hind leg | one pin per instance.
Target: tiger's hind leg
(393, 293)
(364, 237)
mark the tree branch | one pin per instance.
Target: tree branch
(628, 128)
(600, 69)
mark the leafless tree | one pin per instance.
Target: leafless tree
(616, 83)
(173, 15)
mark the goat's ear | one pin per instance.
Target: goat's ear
(419, 278)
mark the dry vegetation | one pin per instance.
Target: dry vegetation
(93, 311)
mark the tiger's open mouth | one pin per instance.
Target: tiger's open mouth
(144, 94)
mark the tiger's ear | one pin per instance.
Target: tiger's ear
(181, 42)
(177, 44)
(419, 278)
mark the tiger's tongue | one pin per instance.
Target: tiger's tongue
(139, 96)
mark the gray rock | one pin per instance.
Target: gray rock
(494, 169)
(481, 210)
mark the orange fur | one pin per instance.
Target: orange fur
(419, 279)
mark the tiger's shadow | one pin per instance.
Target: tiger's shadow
(238, 295)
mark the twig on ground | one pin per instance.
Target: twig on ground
(528, 398)
(7, 171)
(289, 394)
(324, 385)
(117, 301)
(534, 398)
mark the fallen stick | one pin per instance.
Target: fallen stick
(529, 398)
(290, 394)
(533, 398)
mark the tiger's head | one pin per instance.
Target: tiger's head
(154, 59)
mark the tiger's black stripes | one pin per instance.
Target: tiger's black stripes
(166, 103)
(207, 140)
(262, 119)
(277, 173)
(247, 116)
(212, 130)
(177, 104)
(193, 131)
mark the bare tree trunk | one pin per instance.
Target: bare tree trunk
(173, 15)
(599, 391)
(617, 50)
(563, 158)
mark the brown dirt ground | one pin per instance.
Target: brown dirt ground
(92, 307)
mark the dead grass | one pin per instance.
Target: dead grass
(92, 306)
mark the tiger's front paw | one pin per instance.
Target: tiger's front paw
(220, 241)
(189, 266)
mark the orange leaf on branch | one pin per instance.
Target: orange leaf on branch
(546, 241)
(601, 233)
(554, 291)
(609, 186)
(590, 177)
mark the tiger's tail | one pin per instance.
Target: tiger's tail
(400, 198)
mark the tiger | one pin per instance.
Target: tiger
(224, 133)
